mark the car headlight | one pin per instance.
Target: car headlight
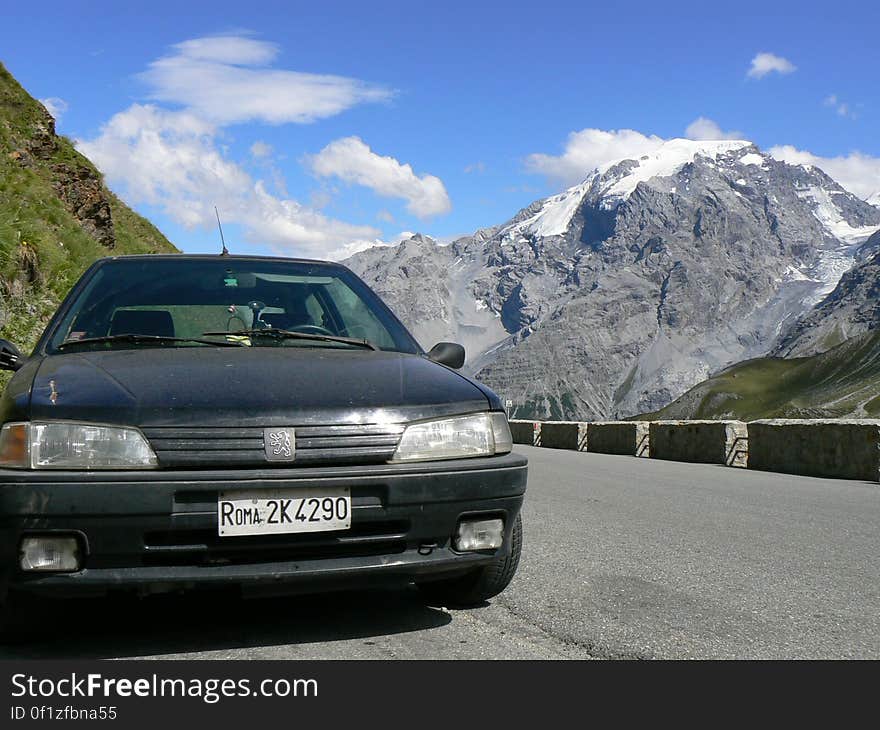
(62, 445)
(478, 434)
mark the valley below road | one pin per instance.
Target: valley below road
(623, 558)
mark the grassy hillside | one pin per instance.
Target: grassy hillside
(844, 381)
(56, 216)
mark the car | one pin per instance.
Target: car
(262, 423)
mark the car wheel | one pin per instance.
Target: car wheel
(479, 585)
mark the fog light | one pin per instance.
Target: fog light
(479, 534)
(45, 553)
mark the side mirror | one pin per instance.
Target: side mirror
(448, 353)
(10, 356)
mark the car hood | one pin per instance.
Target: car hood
(247, 387)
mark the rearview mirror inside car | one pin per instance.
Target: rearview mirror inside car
(448, 353)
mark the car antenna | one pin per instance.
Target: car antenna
(225, 251)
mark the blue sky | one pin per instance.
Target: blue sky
(317, 130)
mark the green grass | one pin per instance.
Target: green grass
(844, 381)
(43, 250)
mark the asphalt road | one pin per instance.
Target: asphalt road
(623, 558)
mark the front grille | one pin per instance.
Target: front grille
(244, 557)
(206, 447)
(205, 547)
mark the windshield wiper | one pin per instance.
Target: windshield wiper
(145, 338)
(288, 335)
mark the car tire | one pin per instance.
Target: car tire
(478, 586)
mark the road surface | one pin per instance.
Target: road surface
(623, 558)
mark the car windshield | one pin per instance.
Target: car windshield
(166, 302)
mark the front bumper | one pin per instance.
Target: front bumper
(157, 530)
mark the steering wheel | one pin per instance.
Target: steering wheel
(311, 329)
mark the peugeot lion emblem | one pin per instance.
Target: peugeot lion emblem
(279, 443)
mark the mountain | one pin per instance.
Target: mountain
(56, 216)
(875, 199)
(842, 382)
(851, 309)
(616, 296)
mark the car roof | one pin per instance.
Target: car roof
(215, 257)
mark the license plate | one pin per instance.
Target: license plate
(280, 511)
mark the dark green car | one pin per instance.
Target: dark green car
(200, 421)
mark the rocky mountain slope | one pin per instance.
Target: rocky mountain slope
(56, 216)
(851, 309)
(616, 296)
(842, 382)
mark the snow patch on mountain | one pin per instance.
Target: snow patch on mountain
(555, 214)
(665, 161)
(751, 158)
(828, 213)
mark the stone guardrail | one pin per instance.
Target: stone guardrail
(627, 438)
(842, 448)
(564, 435)
(849, 449)
(706, 442)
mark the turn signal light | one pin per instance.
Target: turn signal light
(14, 445)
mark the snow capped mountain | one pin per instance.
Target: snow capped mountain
(615, 181)
(875, 199)
(618, 294)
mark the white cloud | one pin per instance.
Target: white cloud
(55, 106)
(765, 63)
(707, 129)
(385, 216)
(171, 160)
(351, 160)
(857, 172)
(178, 160)
(239, 50)
(261, 150)
(841, 107)
(479, 167)
(225, 79)
(588, 149)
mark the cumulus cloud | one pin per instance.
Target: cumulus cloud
(857, 172)
(55, 106)
(226, 79)
(588, 149)
(765, 63)
(171, 153)
(351, 160)
(171, 159)
(707, 129)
